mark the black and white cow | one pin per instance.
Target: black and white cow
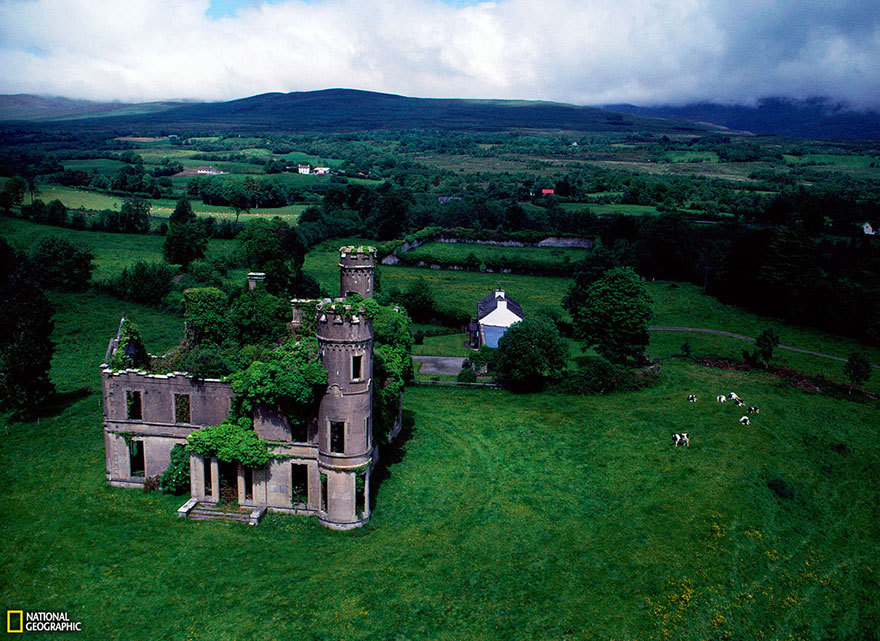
(745, 420)
(692, 398)
(680, 439)
(738, 402)
(753, 410)
(733, 397)
(721, 398)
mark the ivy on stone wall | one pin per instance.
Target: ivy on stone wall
(231, 441)
(130, 353)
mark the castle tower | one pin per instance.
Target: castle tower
(356, 268)
(345, 415)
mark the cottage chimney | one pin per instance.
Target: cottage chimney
(499, 293)
(255, 277)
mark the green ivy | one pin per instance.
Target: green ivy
(130, 352)
(231, 442)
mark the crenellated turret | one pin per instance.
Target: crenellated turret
(357, 266)
(345, 440)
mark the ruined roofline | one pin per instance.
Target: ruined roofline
(105, 369)
(359, 250)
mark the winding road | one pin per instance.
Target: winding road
(746, 338)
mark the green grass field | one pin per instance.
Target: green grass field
(502, 517)
(834, 160)
(487, 253)
(112, 252)
(499, 516)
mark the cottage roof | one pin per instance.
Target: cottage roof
(489, 304)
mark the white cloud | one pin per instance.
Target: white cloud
(582, 51)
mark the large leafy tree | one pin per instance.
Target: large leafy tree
(529, 352)
(613, 315)
(25, 335)
(187, 238)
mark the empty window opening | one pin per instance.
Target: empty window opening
(133, 405)
(299, 483)
(323, 492)
(207, 474)
(248, 484)
(357, 363)
(136, 457)
(337, 437)
(360, 494)
(181, 408)
(299, 432)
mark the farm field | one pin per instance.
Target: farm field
(112, 252)
(492, 253)
(499, 517)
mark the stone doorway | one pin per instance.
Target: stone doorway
(228, 482)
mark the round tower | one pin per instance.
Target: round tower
(345, 431)
(356, 268)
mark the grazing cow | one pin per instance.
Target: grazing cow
(738, 402)
(745, 420)
(733, 397)
(680, 439)
(753, 410)
(721, 398)
(692, 398)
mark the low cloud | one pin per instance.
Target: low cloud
(580, 51)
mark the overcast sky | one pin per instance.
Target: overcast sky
(579, 51)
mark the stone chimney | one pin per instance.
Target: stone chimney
(255, 277)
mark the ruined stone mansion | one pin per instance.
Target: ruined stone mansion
(322, 469)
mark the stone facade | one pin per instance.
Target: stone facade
(322, 468)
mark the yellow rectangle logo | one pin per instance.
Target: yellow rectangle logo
(10, 617)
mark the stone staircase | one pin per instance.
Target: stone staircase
(206, 511)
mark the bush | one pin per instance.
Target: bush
(59, 264)
(598, 376)
(175, 478)
(143, 282)
(467, 376)
(205, 316)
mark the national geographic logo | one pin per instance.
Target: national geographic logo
(19, 621)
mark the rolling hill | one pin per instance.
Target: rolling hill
(331, 110)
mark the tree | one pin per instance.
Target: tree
(529, 352)
(12, 193)
(857, 369)
(26, 325)
(613, 315)
(258, 317)
(134, 216)
(766, 342)
(588, 271)
(59, 264)
(187, 237)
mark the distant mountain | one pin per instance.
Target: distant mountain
(39, 108)
(338, 110)
(813, 118)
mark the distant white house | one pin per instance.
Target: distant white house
(304, 169)
(495, 314)
(321, 171)
(868, 229)
(208, 170)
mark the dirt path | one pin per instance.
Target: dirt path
(746, 338)
(450, 365)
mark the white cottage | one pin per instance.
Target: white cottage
(495, 314)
